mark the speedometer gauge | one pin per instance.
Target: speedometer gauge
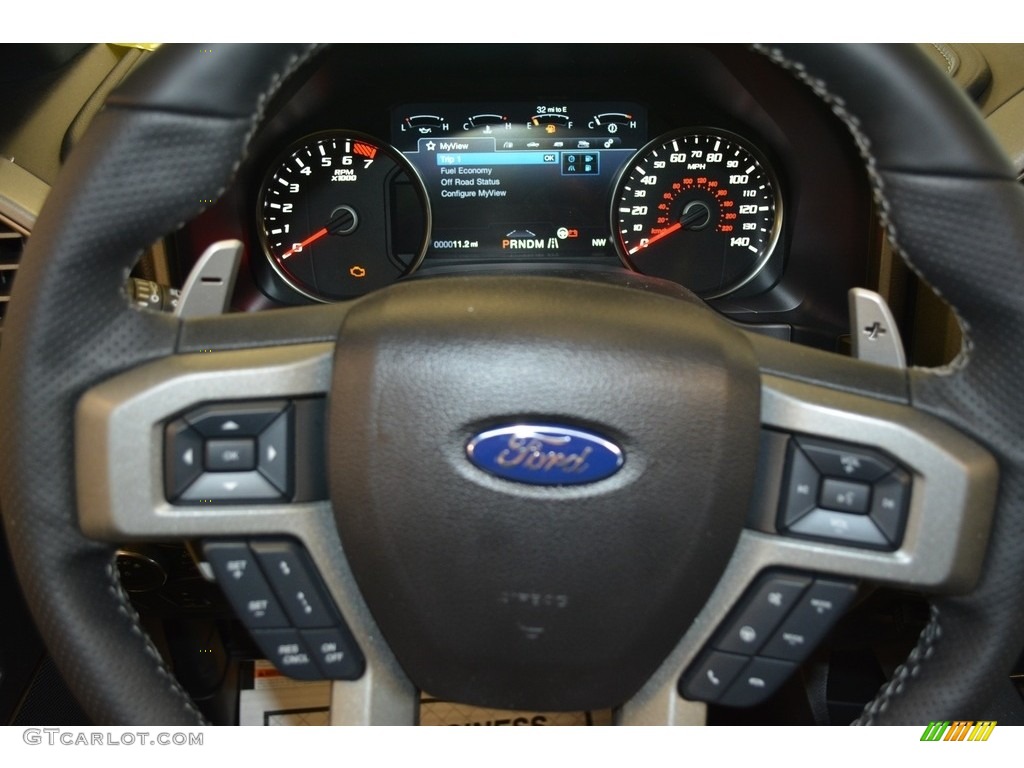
(701, 208)
(341, 214)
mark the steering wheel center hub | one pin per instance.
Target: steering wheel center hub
(495, 590)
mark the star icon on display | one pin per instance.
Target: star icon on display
(431, 146)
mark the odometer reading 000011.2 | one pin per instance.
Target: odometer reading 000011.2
(701, 208)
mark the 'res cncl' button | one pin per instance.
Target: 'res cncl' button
(286, 651)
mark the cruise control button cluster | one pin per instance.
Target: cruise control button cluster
(843, 493)
(231, 452)
(279, 596)
(777, 624)
(244, 585)
(302, 598)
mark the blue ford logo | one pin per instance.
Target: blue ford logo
(545, 454)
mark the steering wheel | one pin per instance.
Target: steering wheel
(626, 579)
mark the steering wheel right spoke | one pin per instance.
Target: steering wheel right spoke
(870, 489)
(851, 489)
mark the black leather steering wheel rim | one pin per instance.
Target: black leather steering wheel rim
(935, 170)
(949, 200)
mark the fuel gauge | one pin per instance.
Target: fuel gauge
(557, 119)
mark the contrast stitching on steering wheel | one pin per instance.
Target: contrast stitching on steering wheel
(125, 608)
(294, 63)
(932, 632)
(838, 107)
(262, 100)
(923, 651)
(945, 53)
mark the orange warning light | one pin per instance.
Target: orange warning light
(357, 271)
(550, 128)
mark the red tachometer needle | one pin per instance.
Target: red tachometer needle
(315, 236)
(664, 233)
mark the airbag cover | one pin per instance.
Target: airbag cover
(502, 593)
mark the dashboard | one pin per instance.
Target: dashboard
(701, 166)
(599, 161)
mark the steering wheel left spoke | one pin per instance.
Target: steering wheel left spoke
(171, 429)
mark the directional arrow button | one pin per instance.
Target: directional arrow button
(214, 487)
(182, 457)
(235, 419)
(274, 451)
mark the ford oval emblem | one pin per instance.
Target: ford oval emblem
(545, 454)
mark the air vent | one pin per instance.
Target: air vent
(22, 195)
(11, 244)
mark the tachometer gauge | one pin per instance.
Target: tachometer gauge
(341, 214)
(699, 207)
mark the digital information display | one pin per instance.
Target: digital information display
(529, 180)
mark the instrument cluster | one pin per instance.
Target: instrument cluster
(341, 213)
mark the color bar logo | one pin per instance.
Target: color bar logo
(960, 730)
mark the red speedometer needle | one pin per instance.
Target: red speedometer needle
(664, 233)
(312, 238)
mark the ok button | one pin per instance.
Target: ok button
(230, 455)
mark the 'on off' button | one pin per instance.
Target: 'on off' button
(333, 653)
